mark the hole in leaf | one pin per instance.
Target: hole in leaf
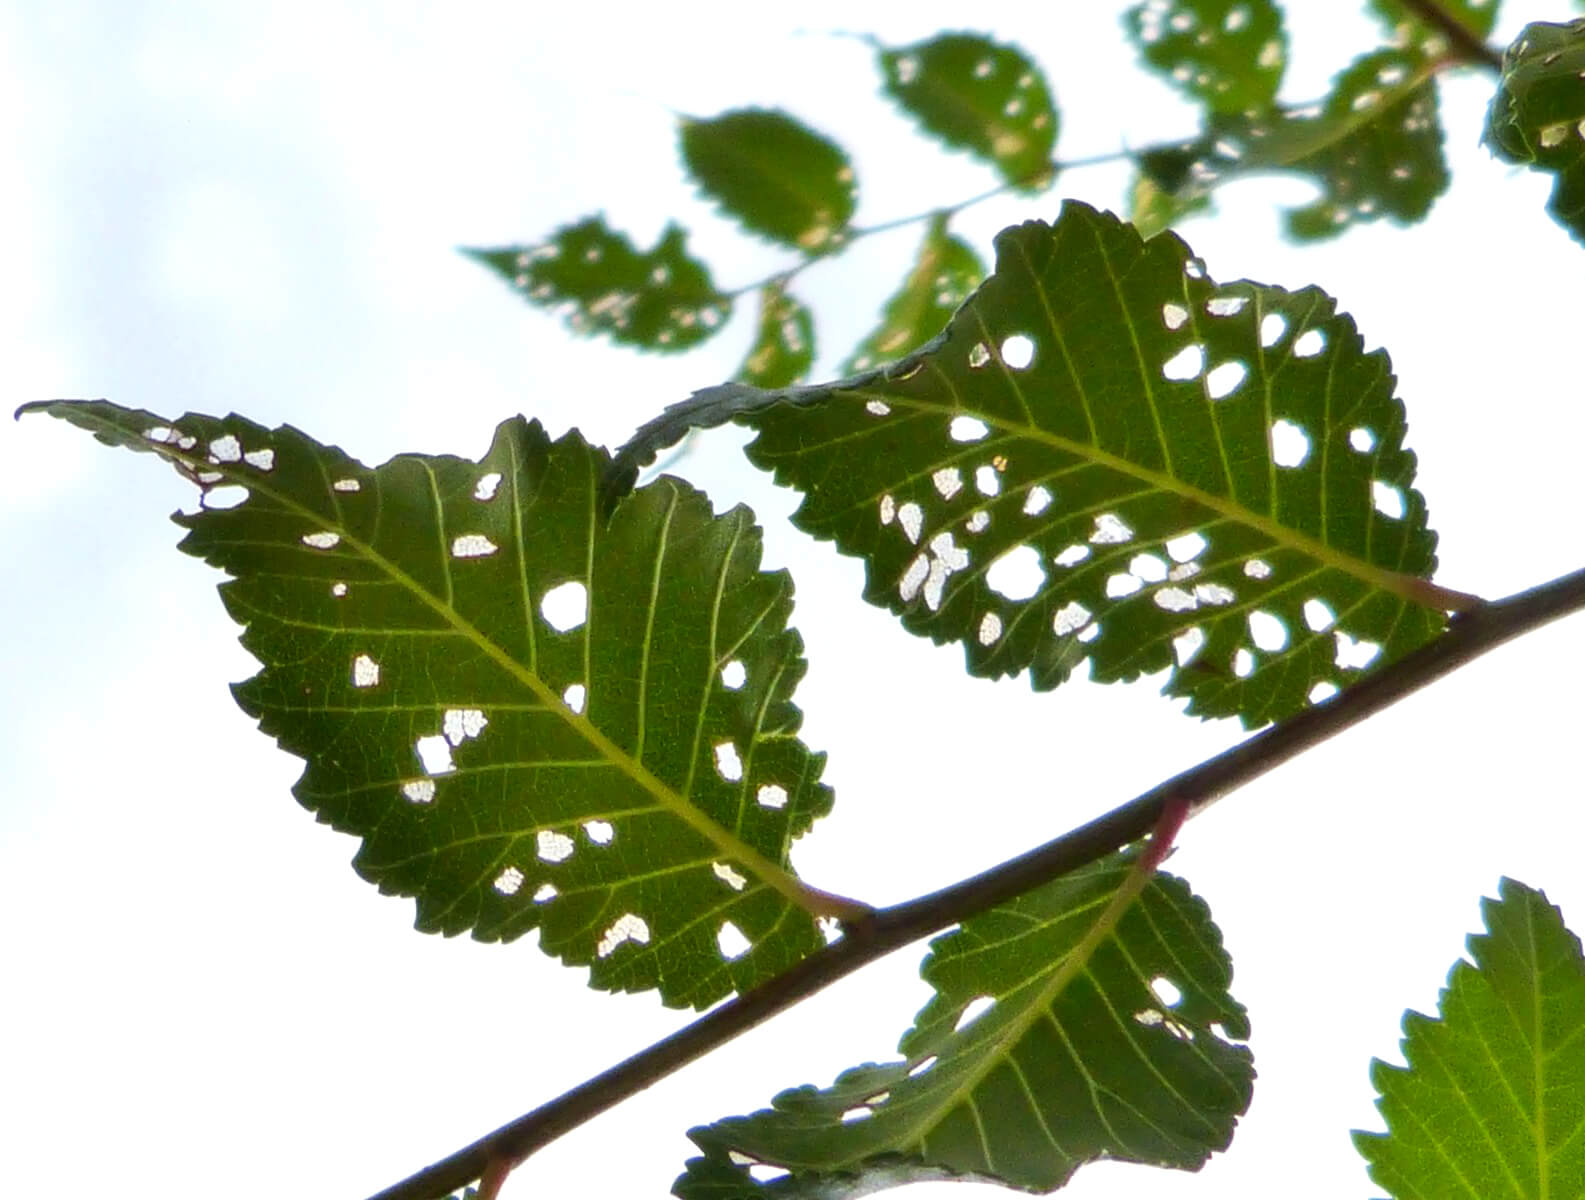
(920, 1067)
(338, 589)
(912, 519)
(565, 606)
(888, 509)
(508, 881)
(1018, 351)
(434, 753)
(1214, 593)
(225, 450)
(1072, 556)
(1110, 530)
(324, 540)
(990, 629)
(1272, 327)
(973, 1011)
(948, 481)
(1387, 499)
(767, 1173)
(1175, 599)
(1362, 439)
(988, 480)
(1070, 617)
(1243, 663)
(949, 557)
(1148, 568)
(1318, 614)
(1224, 379)
(1225, 306)
(1268, 631)
(1166, 991)
(1122, 584)
(1186, 364)
(1187, 644)
(554, 847)
(346, 485)
(1016, 575)
(220, 498)
(1257, 568)
(967, 429)
(485, 488)
(574, 697)
(1322, 692)
(877, 408)
(979, 521)
(733, 676)
(473, 545)
(1290, 444)
(419, 791)
(627, 928)
(771, 795)
(1186, 546)
(365, 672)
(1309, 343)
(728, 876)
(859, 1112)
(1038, 500)
(1352, 655)
(914, 577)
(460, 724)
(599, 832)
(1182, 571)
(731, 941)
(1174, 315)
(1090, 632)
(727, 764)
(979, 355)
(546, 893)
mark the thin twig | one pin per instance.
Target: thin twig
(1466, 46)
(1470, 635)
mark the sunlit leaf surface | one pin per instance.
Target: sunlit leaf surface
(774, 174)
(1537, 116)
(660, 299)
(1374, 148)
(1227, 54)
(945, 272)
(981, 96)
(531, 719)
(1492, 1103)
(1088, 1019)
(784, 341)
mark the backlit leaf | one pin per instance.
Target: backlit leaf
(1151, 209)
(1086, 1020)
(981, 96)
(784, 342)
(1374, 148)
(1537, 116)
(777, 176)
(660, 299)
(1227, 54)
(1109, 456)
(1477, 16)
(1492, 1102)
(945, 272)
(532, 719)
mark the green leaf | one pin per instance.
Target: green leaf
(1227, 54)
(784, 342)
(1107, 1036)
(532, 718)
(1109, 456)
(1151, 209)
(1374, 149)
(660, 299)
(946, 270)
(1492, 1102)
(774, 174)
(1537, 116)
(1477, 16)
(978, 95)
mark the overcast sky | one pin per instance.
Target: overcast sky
(256, 208)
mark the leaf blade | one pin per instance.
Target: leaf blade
(945, 271)
(784, 341)
(1537, 117)
(1227, 54)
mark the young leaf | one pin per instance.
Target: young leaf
(978, 95)
(945, 272)
(532, 718)
(1492, 1099)
(1537, 116)
(1107, 455)
(784, 345)
(1227, 54)
(660, 299)
(1089, 1019)
(774, 174)
(1374, 148)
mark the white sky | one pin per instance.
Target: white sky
(255, 208)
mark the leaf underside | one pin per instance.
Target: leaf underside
(660, 299)
(1109, 456)
(944, 273)
(1492, 1102)
(1537, 117)
(1227, 54)
(531, 718)
(1108, 1035)
(978, 95)
(1374, 149)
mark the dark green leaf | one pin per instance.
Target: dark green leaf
(662, 299)
(1492, 1102)
(1374, 149)
(1477, 16)
(1537, 116)
(774, 174)
(943, 275)
(980, 96)
(532, 719)
(1228, 54)
(1109, 456)
(1107, 1036)
(784, 344)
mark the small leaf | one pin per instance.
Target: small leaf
(1109, 456)
(1492, 1101)
(661, 299)
(1374, 149)
(945, 272)
(1537, 116)
(1477, 16)
(531, 718)
(784, 343)
(1089, 1019)
(1228, 54)
(1151, 209)
(981, 96)
(774, 174)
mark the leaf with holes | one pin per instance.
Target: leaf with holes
(1537, 117)
(1374, 148)
(945, 272)
(777, 176)
(1151, 209)
(981, 96)
(1479, 17)
(1492, 1101)
(1088, 1019)
(660, 299)
(784, 343)
(1227, 54)
(532, 718)
(1109, 456)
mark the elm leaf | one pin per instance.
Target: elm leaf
(784, 341)
(1537, 117)
(946, 270)
(1227, 54)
